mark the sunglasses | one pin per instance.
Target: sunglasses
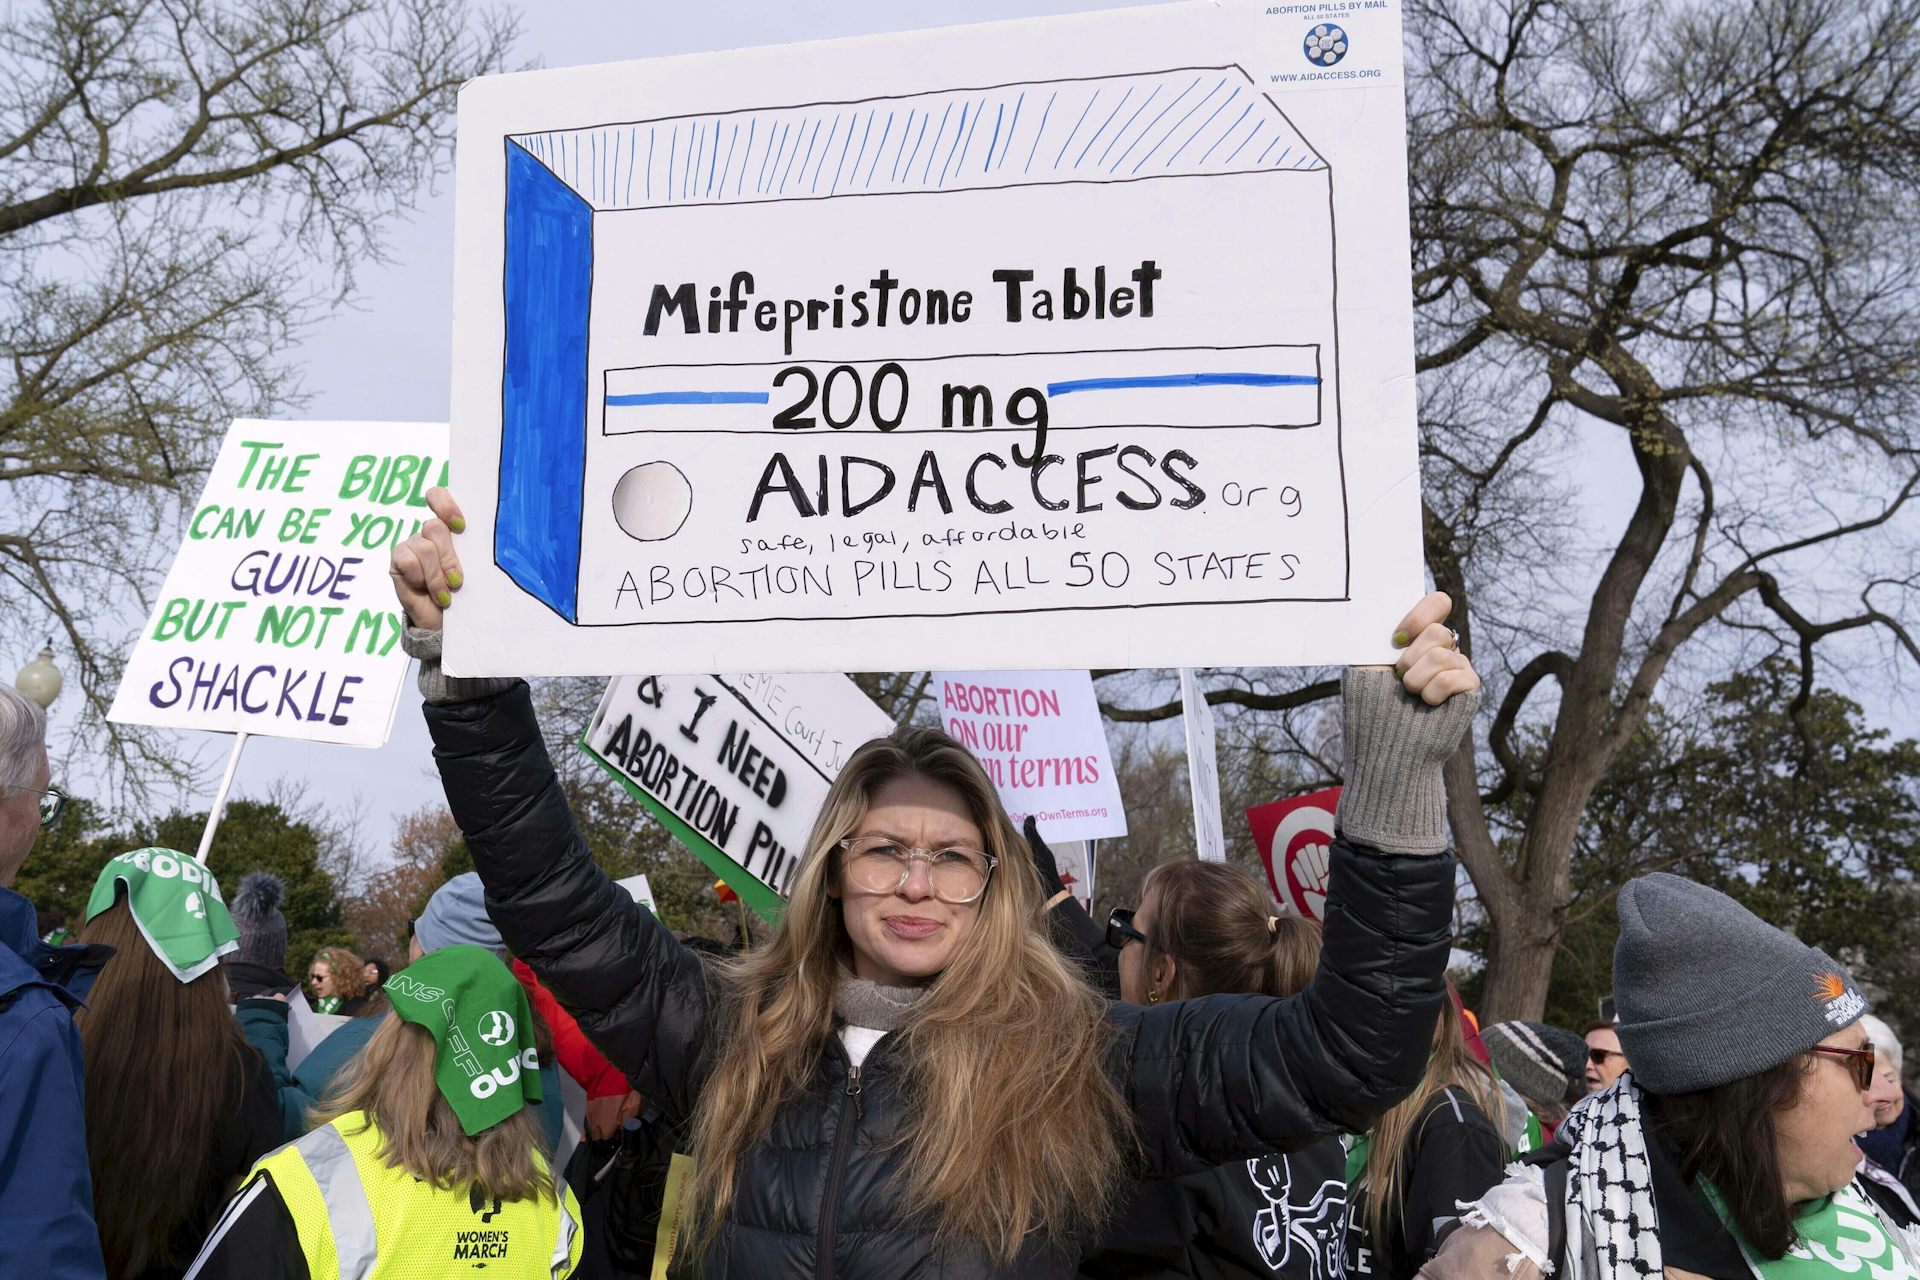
(1860, 1063)
(1120, 930)
(318, 977)
(1598, 1057)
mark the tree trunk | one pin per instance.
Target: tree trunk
(1529, 912)
(1520, 962)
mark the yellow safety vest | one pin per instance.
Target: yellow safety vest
(358, 1218)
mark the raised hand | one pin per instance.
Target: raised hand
(1431, 665)
(425, 568)
(1043, 859)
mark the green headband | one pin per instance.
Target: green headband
(483, 1061)
(176, 903)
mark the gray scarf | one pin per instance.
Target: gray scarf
(861, 1003)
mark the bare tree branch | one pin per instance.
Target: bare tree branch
(183, 186)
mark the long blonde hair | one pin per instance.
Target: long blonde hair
(1452, 1066)
(1014, 1127)
(391, 1080)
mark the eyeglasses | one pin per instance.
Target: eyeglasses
(1598, 1057)
(1860, 1063)
(881, 864)
(318, 977)
(52, 801)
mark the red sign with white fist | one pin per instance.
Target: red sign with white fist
(1295, 839)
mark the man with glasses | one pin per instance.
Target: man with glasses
(1605, 1061)
(46, 1193)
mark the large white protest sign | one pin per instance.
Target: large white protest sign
(1039, 736)
(1093, 329)
(1203, 769)
(277, 616)
(734, 767)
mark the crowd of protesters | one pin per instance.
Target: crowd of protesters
(938, 1065)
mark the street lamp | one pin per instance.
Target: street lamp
(40, 679)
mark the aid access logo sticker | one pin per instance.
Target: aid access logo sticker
(1325, 44)
(1340, 42)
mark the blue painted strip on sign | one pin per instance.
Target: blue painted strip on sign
(1184, 380)
(549, 278)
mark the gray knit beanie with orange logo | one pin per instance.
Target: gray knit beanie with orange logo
(1708, 992)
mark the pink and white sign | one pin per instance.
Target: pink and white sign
(1295, 839)
(1040, 738)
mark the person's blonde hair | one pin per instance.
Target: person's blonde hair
(391, 1081)
(1451, 1066)
(1014, 1127)
(349, 971)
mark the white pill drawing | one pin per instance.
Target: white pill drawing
(652, 501)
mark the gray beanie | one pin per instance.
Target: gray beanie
(1539, 1061)
(1709, 993)
(456, 913)
(256, 914)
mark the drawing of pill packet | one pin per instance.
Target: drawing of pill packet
(638, 403)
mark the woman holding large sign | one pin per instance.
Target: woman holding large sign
(909, 1080)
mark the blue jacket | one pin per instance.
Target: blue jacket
(264, 1023)
(46, 1192)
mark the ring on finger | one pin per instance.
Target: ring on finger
(1456, 638)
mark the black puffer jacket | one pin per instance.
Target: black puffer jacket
(1211, 1080)
(1275, 1217)
(1454, 1157)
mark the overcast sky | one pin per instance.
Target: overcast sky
(387, 357)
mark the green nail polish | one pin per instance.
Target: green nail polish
(455, 578)
(458, 524)
(1400, 639)
(444, 597)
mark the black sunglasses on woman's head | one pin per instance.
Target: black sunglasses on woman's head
(1120, 930)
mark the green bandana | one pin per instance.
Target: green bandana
(177, 904)
(1842, 1234)
(482, 1025)
(1358, 1146)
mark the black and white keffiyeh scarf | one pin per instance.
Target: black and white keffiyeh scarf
(1608, 1207)
(1613, 1231)
(1606, 1204)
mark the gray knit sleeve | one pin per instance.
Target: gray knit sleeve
(1394, 798)
(436, 686)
